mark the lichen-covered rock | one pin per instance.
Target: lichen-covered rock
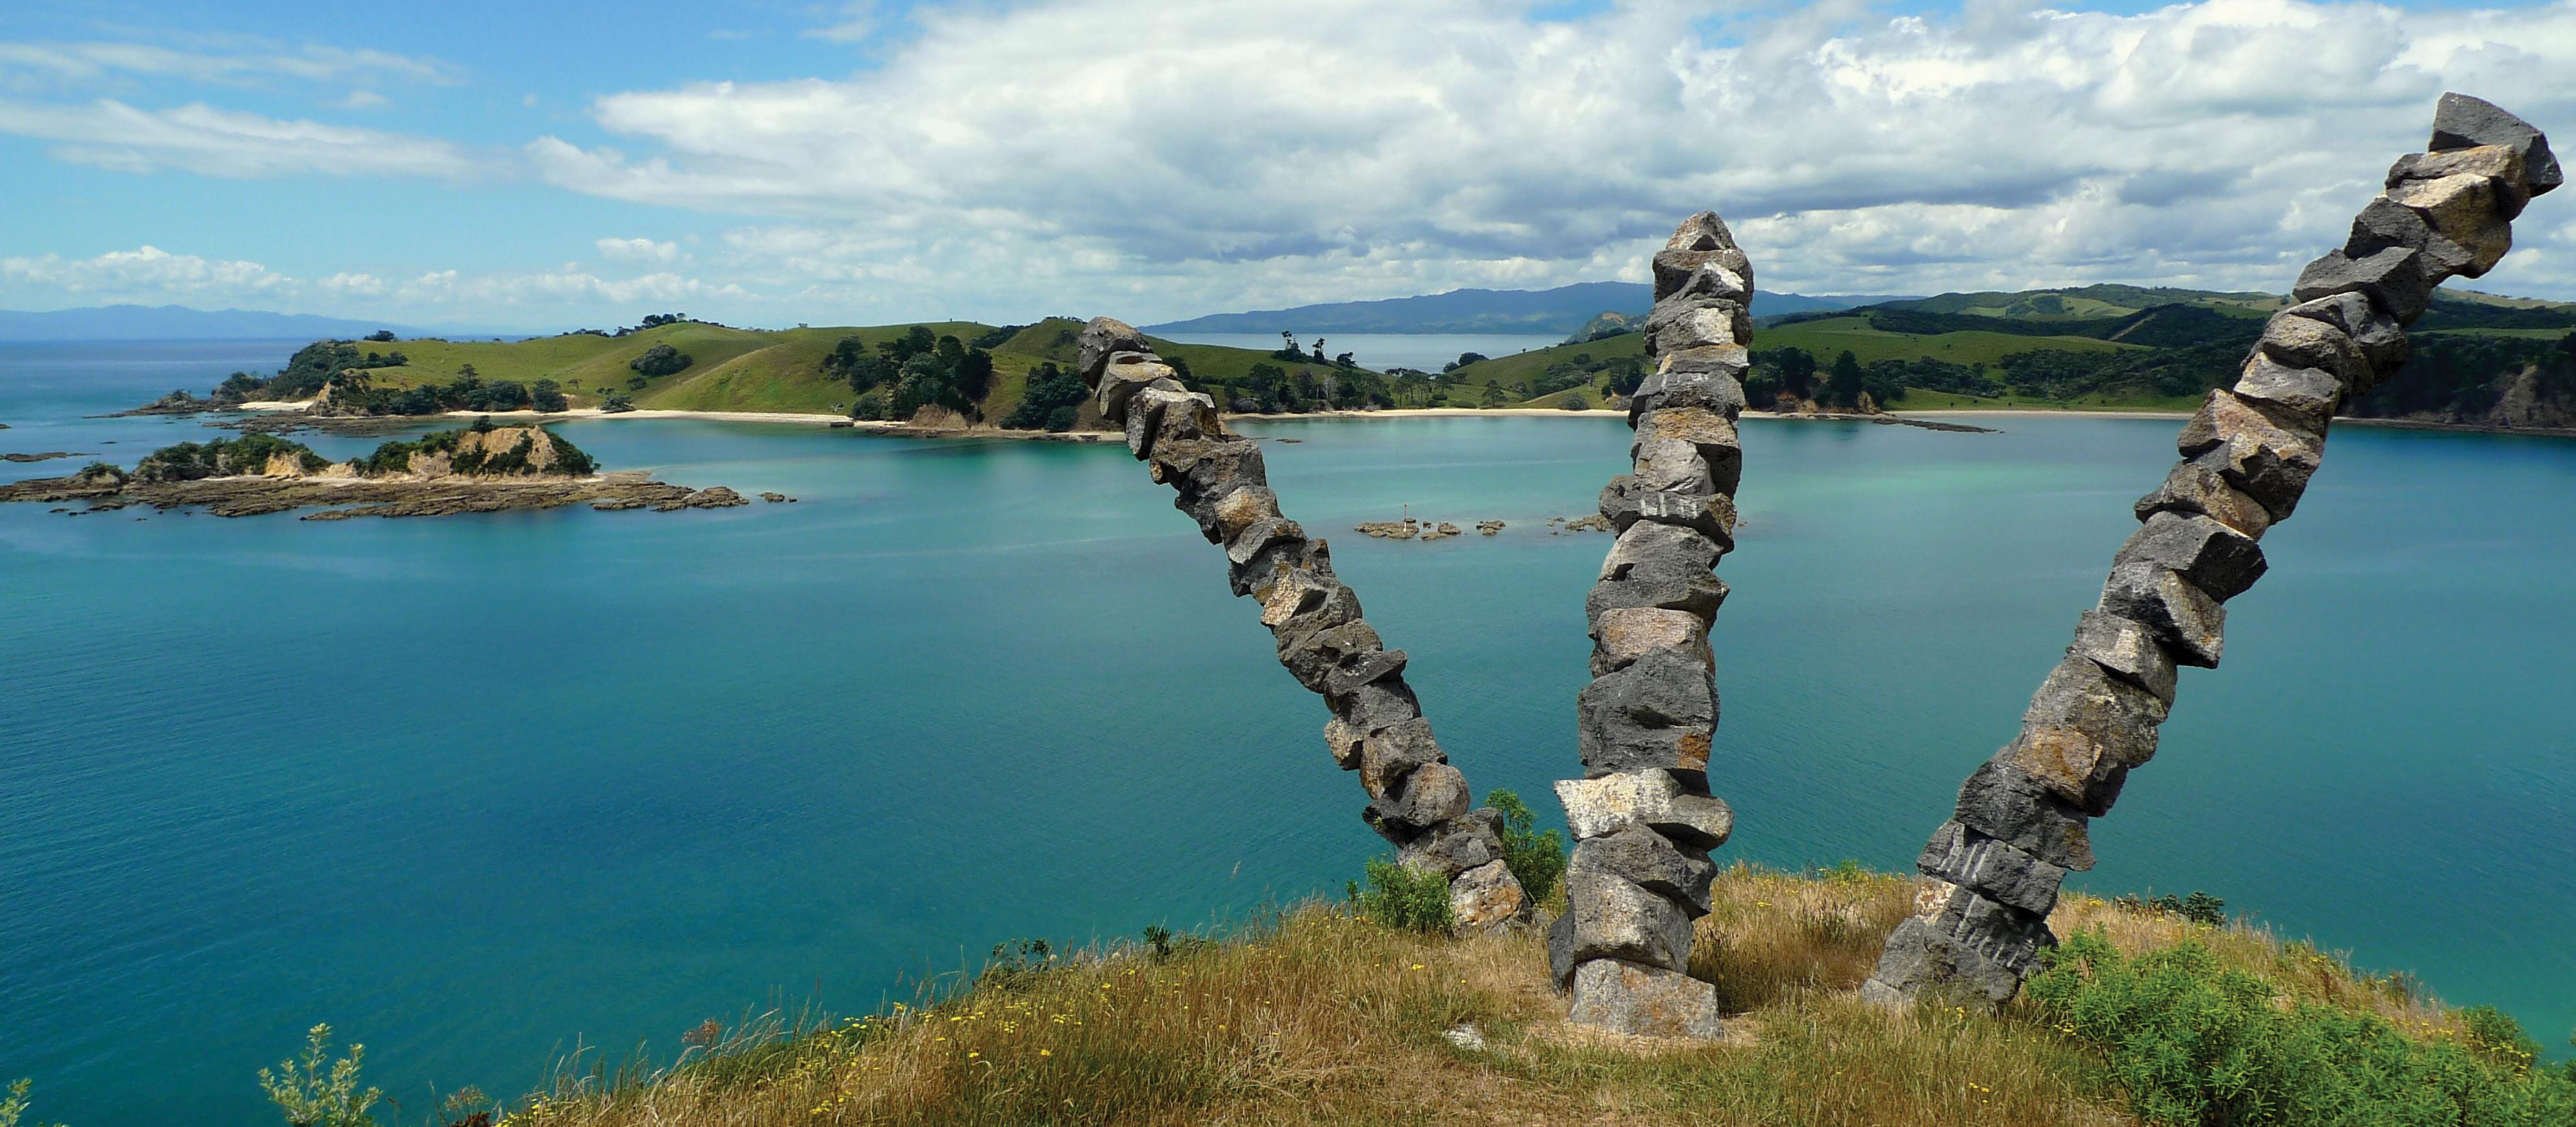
(1599, 807)
(2197, 486)
(1101, 339)
(1649, 860)
(1616, 919)
(2127, 650)
(2463, 122)
(2381, 339)
(1655, 714)
(2394, 278)
(2215, 558)
(2268, 456)
(1486, 896)
(1993, 868)
(1644, 1001)
(2191, 624)
(1959, 945)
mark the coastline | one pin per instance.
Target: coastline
(905, 430)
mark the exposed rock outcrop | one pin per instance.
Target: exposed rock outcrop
(1417, 801)
(1642, 815)
(1992, 872)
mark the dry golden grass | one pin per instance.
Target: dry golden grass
(1324, 1018)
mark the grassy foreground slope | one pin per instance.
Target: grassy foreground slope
(1317, 1016)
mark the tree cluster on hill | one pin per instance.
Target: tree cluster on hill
(1786, 377)
(1052, 402)
(517, 461)
(659, 360)
(354, 393)
(898, 377)
(2460, 376)
(249, 454)
(1289, 352)
(305, 373)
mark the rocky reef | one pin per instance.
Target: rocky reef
(1642, 815)
(478, 470)
(1417, 801)
(1992, 872)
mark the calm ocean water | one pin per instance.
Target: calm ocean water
(478, 789)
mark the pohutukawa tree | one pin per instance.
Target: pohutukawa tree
(1417, 800)
(1643, 819)
(1993, 870)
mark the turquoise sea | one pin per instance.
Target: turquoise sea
(480, 790)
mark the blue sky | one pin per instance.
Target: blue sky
(543, 165)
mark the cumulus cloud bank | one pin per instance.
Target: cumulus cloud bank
(1189, 157)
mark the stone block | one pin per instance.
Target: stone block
(2395, 279)
(1656, 714)
(2269, 455)
(1959, 946)
(2381, 339)
(1718, 275)
(1712, 516)
(1150, 416)
(1363, 668)
(2001, 873)
(1453, 847)
(1687, 322)
(1599, 807)
(1614, 919)
(1241, 508)
(2306, 342)
(2463, 122)
(1102, 338)
(2197, 486)
(2127, 650)
(2465, 211)
(1650, 861)
(1624, 635)
(1644, 1001)
(1260, 535)
(1703, 231)
(1560, 952)
(1296, 598)
(1486, 897)
(1431, 794)
(1311, 656)
(1670, 464)
(2215, 558)
(1377, 705)
(1701, 594)
(2083, 731)
(2500, 164)
(1123, 377)
(2385, 224)
(1704, 432)
(1388, 756)
(1343, 741)
(2004, 803)
(1650, 549)
(2190, 623)
(2311, 394)
(1721, 392)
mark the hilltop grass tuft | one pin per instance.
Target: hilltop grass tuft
(1321, 1015)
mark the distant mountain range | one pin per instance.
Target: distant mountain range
(1555, 312)
(178, 322)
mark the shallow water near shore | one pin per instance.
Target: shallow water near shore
(476, 790)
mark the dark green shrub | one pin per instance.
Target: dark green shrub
(1404, 897)
(1537, 860)
(2199, 1044)
(660, 360)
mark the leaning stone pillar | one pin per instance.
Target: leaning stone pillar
(1642, 816)
(1417, 800)
(1992, 871)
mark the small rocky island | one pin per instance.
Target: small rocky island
(478, 469)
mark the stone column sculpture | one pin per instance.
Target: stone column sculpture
(1992, 871)
(1417, 800)
(1642, 816)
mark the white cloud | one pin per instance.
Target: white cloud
(1169, 159)
(255, 61)
(145, 273)
(636, 250)
(362, 100)
(228, 143)
(150, 275)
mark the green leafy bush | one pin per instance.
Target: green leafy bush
(2199, 1044)
(14, 1105)
(310, 1096)
(1404, 897)
(1537, 860)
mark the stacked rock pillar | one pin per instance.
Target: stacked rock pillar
(1417, 800)
(1642, 816)
(1992, 871)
